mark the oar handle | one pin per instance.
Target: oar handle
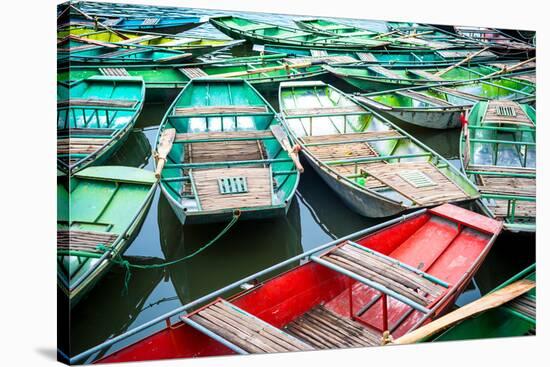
(293, 154)
(160, 165)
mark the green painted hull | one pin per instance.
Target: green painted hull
(496, 323)
(487, 155)
(89, 127)
(354, 188)
(177, 182)
(110, 200)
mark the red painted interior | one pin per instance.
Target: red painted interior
(428, 239)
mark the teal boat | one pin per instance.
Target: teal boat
(74, 50)
(193, 45)
(376, 168)
(371, 78)
(262, 71)
(224, 159)
(440, 107)
(515, 318)
(100, 211)
(498, 151)
(94, 117)
(262, 33)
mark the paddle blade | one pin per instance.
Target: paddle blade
(163, 148)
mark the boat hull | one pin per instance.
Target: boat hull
(432, 119)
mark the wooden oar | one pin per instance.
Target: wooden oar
(99, 23)
(468, 58)
(264, 70)
(414, 35)
(280, 135)
(165, 145)
(513, 67)
(384, 34)
(490, 301)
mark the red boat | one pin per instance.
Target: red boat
(354, 293)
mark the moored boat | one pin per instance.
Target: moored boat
(261, 33)
(94, 117)
(498, 153)
(224, 156)
(376, 168)
(515, 318)
(440, 107)
(356, 291)
(100, 210)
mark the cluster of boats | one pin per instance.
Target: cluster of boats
(223, 151)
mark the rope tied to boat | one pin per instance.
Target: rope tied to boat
(128, 266)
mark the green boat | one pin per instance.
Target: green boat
(193, 45)
(224, 157)
(375, 167)
(404, 58)
(73, 50)
(263, 71)
(395, 39)
(498, 153)
(94, 117)
(372, 78)
(100, 211)
(515, 318)
(262, 33)
(440, 107)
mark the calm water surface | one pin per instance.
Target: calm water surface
(316, 216)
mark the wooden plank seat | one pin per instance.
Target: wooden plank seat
(426, 75)
(219, 110)
(425, 98)
(258, 181)
(319, 53)
(526, 305)
(439, 188)
(524, 209)
(344, 59)
(500, 169)
(193, 73)
(324, 329)
(332, 110)
(385, 72)
(120, 53)
(367, 56)
(507, 185)
(88, 241)
(225, 135)
(518, 117)
(97, 102)
(224, 151)
(114, 71)
(244, 330)
(386, 272)
(459, 93)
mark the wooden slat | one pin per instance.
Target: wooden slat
(366, 56)
(193, 73)
(114, 71)
(83, 240)
(385, 72)
(525, 305)
(140, 39)
(524, 209)
(325, 110)
(227, 151)
(508, 185)
(230, 109)
(520, 117)
(97, 102)
(225, 135)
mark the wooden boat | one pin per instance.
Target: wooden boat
(261, 33)
(265, 71)
(353, 293)
(225, 157)
(415, 40)
(75, 50)
(375, 77)
(376, 168)
(193, 45)
(515, 318)
(403, 58)
(498, 151)
(94, 117)
(440, 107)
(99, 214)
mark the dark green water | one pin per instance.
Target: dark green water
(316, 216)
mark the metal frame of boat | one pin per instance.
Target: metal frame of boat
(365, 188)
(85, 123)
(440, 106)
(331, 282)
(515, 318)
(275, 159)
(80, 238)
(507, 189)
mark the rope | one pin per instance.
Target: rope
(128, 266)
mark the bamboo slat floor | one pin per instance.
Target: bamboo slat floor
(525, 305)
(83, 240)
(516, 115)
(258, 182)
(366, 56)
(325, 329)
(114, 71)
(439, 189)
(225, 151)
(246, 331)
(523, 209)
(80, 145)
(507, 185)
(193, 73)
